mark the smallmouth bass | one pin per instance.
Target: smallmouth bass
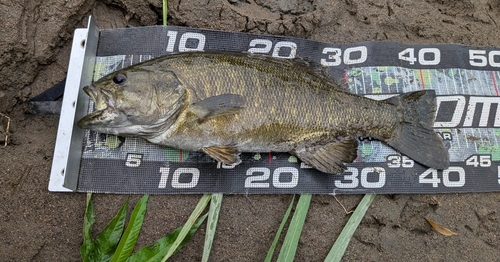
(226, 103)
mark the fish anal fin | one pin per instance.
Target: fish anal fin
(225, 104)
(228, 155)
(329, 158)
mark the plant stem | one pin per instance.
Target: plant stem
(164, 11)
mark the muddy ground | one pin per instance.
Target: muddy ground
(36, 225)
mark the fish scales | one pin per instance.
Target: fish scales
(226, 103)
(285, 104)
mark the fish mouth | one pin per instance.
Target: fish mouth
(88, 120)
(91, 120)
(99, 115)
(102, 99)
(107, 120)
(90, 91)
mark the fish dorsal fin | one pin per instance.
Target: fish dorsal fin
(334, 76)
(228, 155)
(312, 66)
(340, 82)
(303, 61)
(329, 158)
(220, 105)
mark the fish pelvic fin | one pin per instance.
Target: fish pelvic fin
(228, 155)
(414, 136)
(329, 158)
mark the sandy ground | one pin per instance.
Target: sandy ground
(36, 225)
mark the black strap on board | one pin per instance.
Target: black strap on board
(45, 103)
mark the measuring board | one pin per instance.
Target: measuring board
(467, 119)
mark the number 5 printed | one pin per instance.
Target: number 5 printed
(133, 160)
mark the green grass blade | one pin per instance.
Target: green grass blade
(129, 238)
(213, 217)
(107, 240)
(202, 204)
(156, 251)
(338, 249)
(270, 253)
(289, 247)
(164, 11)
(88, 221)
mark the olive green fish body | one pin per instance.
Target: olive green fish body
(226, 103)
(283, 105)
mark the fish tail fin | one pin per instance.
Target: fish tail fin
(415, 136)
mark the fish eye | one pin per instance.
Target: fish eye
(119, 79)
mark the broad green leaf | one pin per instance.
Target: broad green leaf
(129, 238)
(157, 250)
(88, 221)
(289, 247)
(213, 217)
(278, 234)
(107, 240)
(202, 204)
(338, 249)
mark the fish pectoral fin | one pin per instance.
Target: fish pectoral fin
(228, 155)
(329, 158)
(225, 104)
